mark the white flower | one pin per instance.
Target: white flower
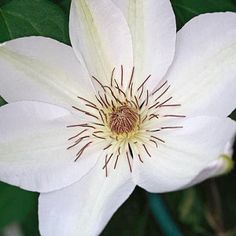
(129, 104)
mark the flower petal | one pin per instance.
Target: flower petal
(41, 69)
(153, 29)
(218, 167)
(99, 31)
(33, 147)
(85, 207)
(203, 77)
(185, 153)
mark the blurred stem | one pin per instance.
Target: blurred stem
(214, 214)
(162, 215)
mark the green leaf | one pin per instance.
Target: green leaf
(30, 225)
(15, 204)
(2, 2)
(65, 5)
(233, 115)
(187, 9)
(2, 101)
(20, 18)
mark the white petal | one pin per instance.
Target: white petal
(41, 69)
(99, 31)
(185, 153)
(203, 75)
(33, 147)
(218, 167)
(85, 207)
(153, 29)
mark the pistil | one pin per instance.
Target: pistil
(123, 119)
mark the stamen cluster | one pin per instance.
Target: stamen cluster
(123, 119)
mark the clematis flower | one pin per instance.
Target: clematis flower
(130, 103)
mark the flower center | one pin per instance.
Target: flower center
(123, 119)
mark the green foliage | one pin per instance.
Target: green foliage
(15, 204)
(189, 208)
(227, 192)
(19, 18)
(64, 4)
(187, 9)
(233, 115)
(133, 218)
(3, 2)
(162, 215)
(2, 101)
